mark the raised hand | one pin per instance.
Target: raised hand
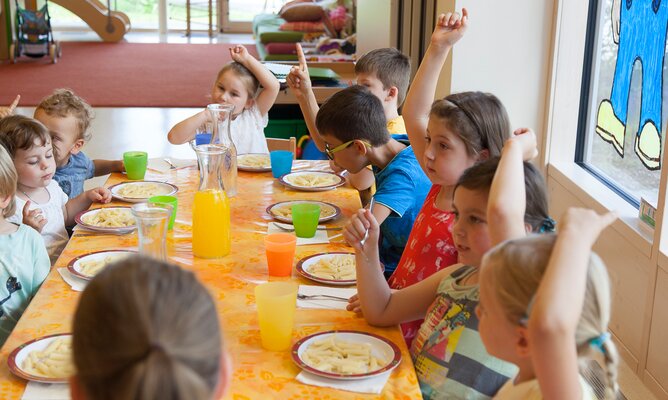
(298, 79)
(450, 28)
(527, 139)
(587, 223)
(99, 195)
(239, 54)
(7, 111)
(34, 218)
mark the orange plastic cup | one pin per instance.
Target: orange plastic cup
(280, 249)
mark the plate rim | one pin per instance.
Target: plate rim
(175, 190)
(294, 354)
(79, 221)
(301, 271)
(18, 371)
(253, 169)
(73, 271)
(337, 210)
(284, 182)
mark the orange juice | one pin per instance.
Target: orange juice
(211, 224)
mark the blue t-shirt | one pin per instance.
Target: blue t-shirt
(71, 177)
(24, 264)
(402, 187)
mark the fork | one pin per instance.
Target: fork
(283, 228)
(168, 161)
(366, 232)
(319, 296)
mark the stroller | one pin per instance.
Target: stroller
(34, 37)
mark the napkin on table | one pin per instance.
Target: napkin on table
(77, 284)
(309, 290)
(160, 165)
(46, 391)
(369, 385)
(320, 236)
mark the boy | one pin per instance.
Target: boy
(68, 118)
(353, 129)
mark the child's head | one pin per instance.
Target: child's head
(8, 180)
(68, 118)
(147, 329)
(28, 143)
(235, 85)
(386, 73)
(350, 122)
(510, 275)
(463, 129)
(470, 232)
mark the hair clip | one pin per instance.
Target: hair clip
(548, 225)
(599, 341)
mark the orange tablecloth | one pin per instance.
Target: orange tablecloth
(258, 374)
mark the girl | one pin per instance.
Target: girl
(40, 202)
(450, 360)
(525, 320)
(24, 263)
(237, 85)
(145, 329)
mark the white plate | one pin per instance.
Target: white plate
(304, 266)
(19, 354)
(242, 159)
(117, 230)
(74, 265)
(163, 189)
(333, 210)
(381, 348)
(289, 181)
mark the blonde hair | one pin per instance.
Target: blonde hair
(249, 80)
(8, 180)
(517, 266)
(63, 103)
(146, 329)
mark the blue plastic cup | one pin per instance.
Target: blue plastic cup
(281, 162)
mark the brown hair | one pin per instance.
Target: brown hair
(480, 120)
(8, 180)
(353, 113)
(391, 67)
(63, 103)
(146, 329)
(20, 133)
(249, 80)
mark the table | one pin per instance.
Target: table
(258, 374)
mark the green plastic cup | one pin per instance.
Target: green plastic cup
(135, 164)
(172, 201)
(305, 218)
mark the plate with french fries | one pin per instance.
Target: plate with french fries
(47, 359)
(116, 220)
(346, 355)
(140, 191)
(254, 162)
(312, 181)
(282, 211)
(334, 268)
(86, 266)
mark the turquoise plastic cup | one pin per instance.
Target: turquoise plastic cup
(135, 163)
(172, 201)
(305, 218)
(281, 162)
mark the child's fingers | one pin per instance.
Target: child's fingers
(465, 16)
(301, 57)
(15, 103)
(26, 209)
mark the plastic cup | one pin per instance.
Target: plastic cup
(152, 221)
(135, 164)
(172, 201)
(305, 218)
(280, 248)
(281, 162)
(276, 302)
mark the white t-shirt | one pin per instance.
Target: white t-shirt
(247, 131)
(54, 232)
(530, 390)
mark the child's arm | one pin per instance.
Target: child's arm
(507, 198)
(268, 81)
(7, 111)
(362, 180)
(105, 167)
(299, 82)
(449, 29)
(185, 130)
(558, 303)
(83, 201)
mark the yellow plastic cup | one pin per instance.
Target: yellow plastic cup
(280, 248)
(276, 303)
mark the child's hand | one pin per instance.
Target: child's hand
(450, 28)
(526, 138)
(7, 111)
(355, 305)
(586, 224)
(34, 218)
(298, 79)
(99, 195)
(239, 54)
(357, 228)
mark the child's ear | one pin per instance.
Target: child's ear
(522, 347)
(4, 202)
(392, 94)
(225, 375)
(249, 103)
(361, 147)
(77, 146)
(483, 155)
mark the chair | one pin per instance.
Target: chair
(283, 144)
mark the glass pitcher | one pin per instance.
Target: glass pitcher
(221, 117)
(211, 208)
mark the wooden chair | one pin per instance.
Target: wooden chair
(283, 144)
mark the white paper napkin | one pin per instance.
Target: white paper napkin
(319, 238)
(160, 165)
(77, 284)
(46, 391)
(310, 290)
(369, 385)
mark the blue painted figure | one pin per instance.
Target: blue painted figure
(639, 28)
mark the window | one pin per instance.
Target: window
(622, 110)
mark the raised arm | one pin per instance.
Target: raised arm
(185, 130)
(553, 321)
(299, 83)
(449, 29)
(270, 86)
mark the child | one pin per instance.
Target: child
(353, 128)
(7, 111)
(525, 320)
(24, 262)
(146, 329)
(449, 357)
(237, 84)
(41, 203)
(68, 117)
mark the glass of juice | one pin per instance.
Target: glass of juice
(276, 302)
(135, 163)
(280, 248)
